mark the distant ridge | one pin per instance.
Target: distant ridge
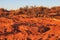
(33, 11)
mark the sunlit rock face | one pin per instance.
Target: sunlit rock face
(37, 23)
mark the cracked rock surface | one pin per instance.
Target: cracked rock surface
(29, 29)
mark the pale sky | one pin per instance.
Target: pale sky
(15, 4)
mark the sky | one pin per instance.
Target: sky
(15, 4)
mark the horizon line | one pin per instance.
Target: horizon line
(28, 7)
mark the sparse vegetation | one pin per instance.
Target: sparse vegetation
(34, 23)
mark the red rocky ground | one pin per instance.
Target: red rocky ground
(35, 23)
(29, 29)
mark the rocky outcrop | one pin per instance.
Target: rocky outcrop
(37, 23)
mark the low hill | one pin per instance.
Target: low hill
(30, 24)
